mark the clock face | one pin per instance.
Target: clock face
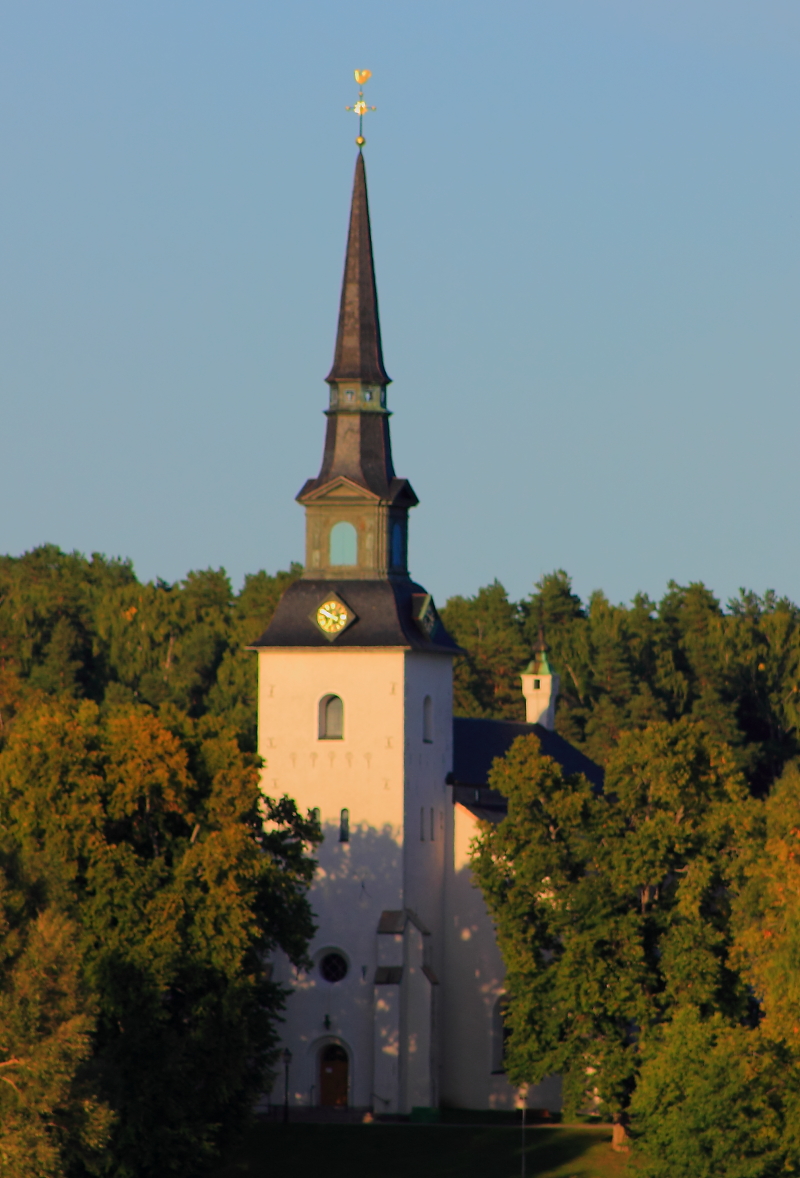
(331, 617)
(424, 613)
(428, 619)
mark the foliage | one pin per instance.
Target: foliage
(150, 838)
(89, 629)
(712, 1100)
(612, 909)
(768, 915)
(622, 667)
(50, 1117)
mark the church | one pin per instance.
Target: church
(402, 1008)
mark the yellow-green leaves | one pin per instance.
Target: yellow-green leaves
(613, 909)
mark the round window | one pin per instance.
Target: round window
(333, 967)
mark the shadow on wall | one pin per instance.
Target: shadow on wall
(360, 875)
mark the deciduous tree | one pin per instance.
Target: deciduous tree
(150, 836)
(613, 909)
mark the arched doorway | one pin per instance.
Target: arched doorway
(333, 1076)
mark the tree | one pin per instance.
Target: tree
(613, 909)
(151, 837)
(768, 916)
(89, 629)
(711, 1101)
(485, 682)
(623, 667)
(50, 1118)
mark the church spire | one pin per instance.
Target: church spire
(357, 493)
(358, 355)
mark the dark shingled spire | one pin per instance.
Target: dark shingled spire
(358, 354)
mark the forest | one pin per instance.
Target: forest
(140, 887)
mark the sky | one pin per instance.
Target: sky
(588, 257)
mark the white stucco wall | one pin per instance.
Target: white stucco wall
(383, 773)
(472, 985)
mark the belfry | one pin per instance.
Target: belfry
(402, 1008)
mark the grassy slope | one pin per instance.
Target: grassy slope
(420, 1151)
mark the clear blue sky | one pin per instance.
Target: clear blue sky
(587, 237)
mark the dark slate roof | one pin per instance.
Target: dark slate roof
(383, 612)
(394, 920)
(476, 743)
(358, 354)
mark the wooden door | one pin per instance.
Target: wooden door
(333, 1076)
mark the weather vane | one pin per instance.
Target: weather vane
(360, 107)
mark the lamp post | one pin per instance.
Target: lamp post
(524, 1094)
(287, 1059)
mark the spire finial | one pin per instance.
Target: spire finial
(360, 107)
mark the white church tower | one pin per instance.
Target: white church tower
(402, 1007)
(355, 722)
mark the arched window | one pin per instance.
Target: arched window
(344, 826)
(500, 1034)
(343, 544)
(427, 720)
(331, 718)
(397, 546)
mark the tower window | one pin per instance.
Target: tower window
(331, 718)
(397, 546)
(427, 720)
(350, 395)
(344, 826)
(537, 683)
(343, 544)
(367, 394)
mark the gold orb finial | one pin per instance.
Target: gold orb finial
(360, 107)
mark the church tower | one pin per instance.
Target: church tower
(355, 722)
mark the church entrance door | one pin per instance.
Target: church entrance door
(333, 1068)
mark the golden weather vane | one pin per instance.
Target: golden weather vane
(360, 107)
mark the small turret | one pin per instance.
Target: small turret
(540, 688)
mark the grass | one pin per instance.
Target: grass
(424, 1151)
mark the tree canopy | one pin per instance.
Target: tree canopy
(623, 666)
(88, 629)
(651, 930)
(146, 878)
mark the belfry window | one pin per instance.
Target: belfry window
(343, 544)
(427, 720)
(397, 546)
(331, 718)
(344, 826)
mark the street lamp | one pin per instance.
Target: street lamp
(287, 1059)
